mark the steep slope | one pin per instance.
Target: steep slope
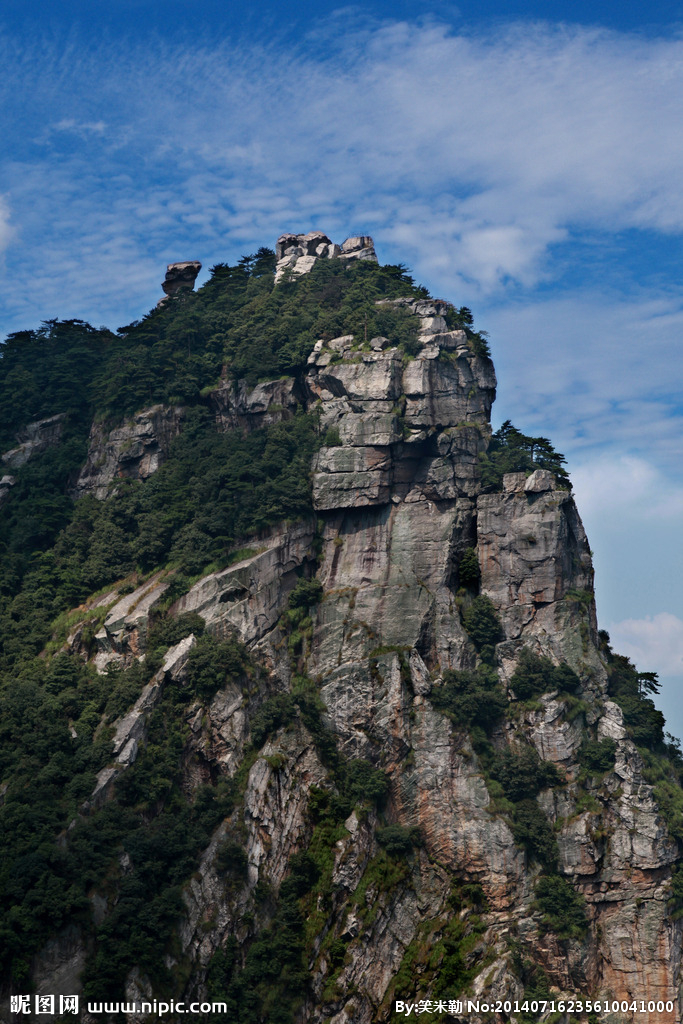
(339, 728)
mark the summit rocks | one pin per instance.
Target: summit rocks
(298, 253)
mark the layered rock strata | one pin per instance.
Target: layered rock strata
(237, 406)
(406, 430)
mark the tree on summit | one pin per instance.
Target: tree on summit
(511, 451)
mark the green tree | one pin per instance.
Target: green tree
(511, 451)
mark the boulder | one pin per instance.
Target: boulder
(180, 277)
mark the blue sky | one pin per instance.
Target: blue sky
(523, 164)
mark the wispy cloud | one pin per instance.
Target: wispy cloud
(5, 225)
(81, 128)
(628, 487)
(654, 644)
(598, 371)
(472, 156)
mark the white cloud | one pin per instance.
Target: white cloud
(628, 487)
(596, 372)
(607, 485)
(6, 230)
(654, 644)
(490, 148)
(81, 128)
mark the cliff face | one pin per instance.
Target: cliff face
(434, 886)
(134, 450)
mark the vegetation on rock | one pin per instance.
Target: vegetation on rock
(511, 451)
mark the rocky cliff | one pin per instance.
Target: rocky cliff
(432, 793)
(133, 450)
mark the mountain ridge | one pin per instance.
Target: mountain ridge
(340, 727)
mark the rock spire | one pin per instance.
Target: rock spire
(180, 277)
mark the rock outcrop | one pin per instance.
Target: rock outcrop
(132, 451)
(237, 406)
(180, 277)
(297, 254)
(401, 430)
(34, 439)
(248, 597)
(7, 482)
(124, 633)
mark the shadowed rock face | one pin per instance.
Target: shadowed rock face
(33, 439)
(180, 277)
(133, 450)
(7, 482)
(397, 497)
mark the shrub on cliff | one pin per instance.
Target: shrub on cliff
(562, 908)
(272, 980)
(597, 756)
(210, 663)
(483, 626)
(523, 774)
(471, 698)
(166, 631)
(363, 783)
(306, 593)
(535, 675)
(628, 687)
(469, 572)
(397, 840)
(531, 829)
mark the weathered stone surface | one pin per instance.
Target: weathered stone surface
(124, 633)
(420, 423)
(134, 450)
(34, 439)
(273, 827)
(180, 277)
(248, 598)
(540, 480)
(611, 725)
(237, 406)
(7, 482)
(360, 247)
(130, 731)
(536, 568)
(555, 737)
(297, 254)
(441, 393)
(58, 966)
